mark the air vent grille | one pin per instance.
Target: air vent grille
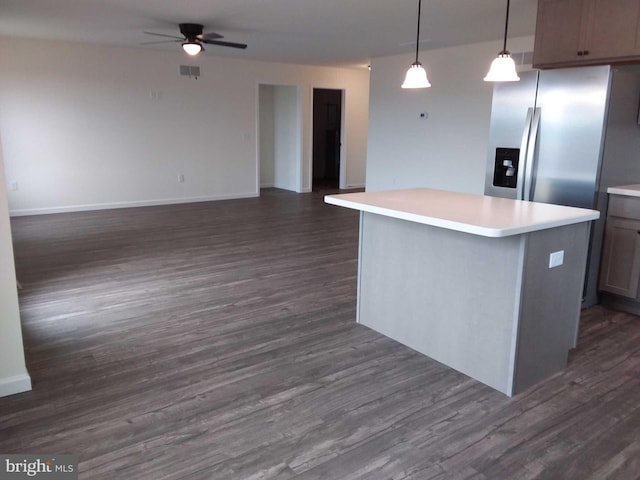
(190, 71)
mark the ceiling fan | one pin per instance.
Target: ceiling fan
(193, 39)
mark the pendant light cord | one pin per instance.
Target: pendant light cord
(418, 36)
(506, 26)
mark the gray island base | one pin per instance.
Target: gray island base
(467, 280)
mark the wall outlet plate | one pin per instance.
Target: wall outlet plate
(556, 259)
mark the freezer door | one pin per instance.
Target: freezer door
(569, 144)
(511, 114)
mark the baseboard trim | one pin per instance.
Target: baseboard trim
(143, 203)
(16, 384)
(616, 302)
(266, 185)
(354, 185)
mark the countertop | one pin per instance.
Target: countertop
(628, 190)
(475, 214)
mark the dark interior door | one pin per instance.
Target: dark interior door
(327, 118)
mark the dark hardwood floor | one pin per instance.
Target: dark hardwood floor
(217, 341)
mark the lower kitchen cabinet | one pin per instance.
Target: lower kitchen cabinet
(620, 269)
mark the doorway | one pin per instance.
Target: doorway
(279, 154)
(327, 134)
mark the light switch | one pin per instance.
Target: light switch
(556, 259)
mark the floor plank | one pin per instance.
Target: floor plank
(217, 340)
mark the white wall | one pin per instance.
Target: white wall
(448, 149)
(353, 137)
(266, 135)
(286, 147)
(83, 131)
(13, 372)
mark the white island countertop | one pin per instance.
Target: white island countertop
(475, 214)
(628, 190)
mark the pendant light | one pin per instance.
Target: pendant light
(503, 68)
(416, 75)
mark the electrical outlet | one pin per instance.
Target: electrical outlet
(181, 178)
(13, 185)
(556, 259)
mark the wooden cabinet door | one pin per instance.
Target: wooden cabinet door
(560, 31)
(613, 29)
(620, 270)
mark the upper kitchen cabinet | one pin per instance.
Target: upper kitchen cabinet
(586, 32)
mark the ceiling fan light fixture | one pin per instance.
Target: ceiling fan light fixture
(192, 48)
(503, 68)
(416, 76)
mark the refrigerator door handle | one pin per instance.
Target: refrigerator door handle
(531, 153)
(522, 160)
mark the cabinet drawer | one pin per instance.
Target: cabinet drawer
(623, 206)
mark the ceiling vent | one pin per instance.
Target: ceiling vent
(190, 71)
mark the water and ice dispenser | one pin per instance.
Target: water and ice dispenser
(505, 172)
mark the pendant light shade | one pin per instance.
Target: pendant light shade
(416, 75)
(503, 68)
(192, 48)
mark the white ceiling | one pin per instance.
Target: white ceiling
(324, 32)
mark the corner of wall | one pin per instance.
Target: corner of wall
(14, 377)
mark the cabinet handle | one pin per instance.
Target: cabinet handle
(580, 53)
(585, 52)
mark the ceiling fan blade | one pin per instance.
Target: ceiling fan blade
(163, 35)
(209, 36)
(160, 41)
(225, 44)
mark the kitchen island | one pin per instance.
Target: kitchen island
(489, 286)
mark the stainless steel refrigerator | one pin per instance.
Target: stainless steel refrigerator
(563, 136)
